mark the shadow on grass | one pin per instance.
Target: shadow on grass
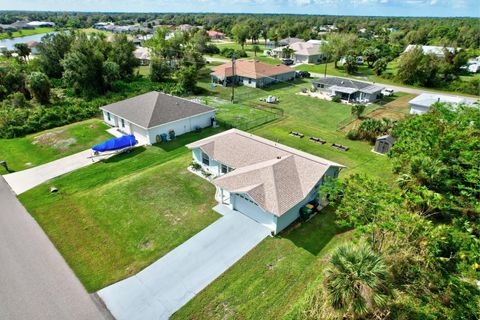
(186, 138)
(314, 234)
(125, 155)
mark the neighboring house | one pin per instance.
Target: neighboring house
(7, 27)
(422, 103)
(103, 25)
(282, 43)
(251, 73)
(216, 35)
(152, 114)
(19, 25)
(264, 180)
(143, 55)
(435, 50)
(383, 144)
(41, 24)
(349, 90)
(304, 52)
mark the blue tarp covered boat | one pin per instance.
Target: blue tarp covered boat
(116, 144)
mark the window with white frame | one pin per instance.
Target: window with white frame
(123, 123)
(108, 116)
(225, 169)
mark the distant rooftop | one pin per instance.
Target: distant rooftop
(427, 99)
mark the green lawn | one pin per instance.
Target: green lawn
(273, 279)
(112, 219)
(24, 33)
(312, 117)
(46, 146)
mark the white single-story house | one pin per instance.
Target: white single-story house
(303, 52)
(422, 103)
(251, 73)
(349, 90)
(266, 181)
(435, 50)
(152, 114)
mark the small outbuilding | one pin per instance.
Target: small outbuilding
(152, 115)
(384, 144)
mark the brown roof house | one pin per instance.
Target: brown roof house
(264, 180)
(251, 73)
(152, 114)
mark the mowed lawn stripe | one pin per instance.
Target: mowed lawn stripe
(114, 218)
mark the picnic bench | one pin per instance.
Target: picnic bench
(340, 147)
(317, 140)
(296, 134)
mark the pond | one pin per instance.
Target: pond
(10, 43)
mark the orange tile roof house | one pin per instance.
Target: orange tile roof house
(215, 35)
(251, 73)
(266, 181)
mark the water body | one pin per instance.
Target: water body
(10, 43)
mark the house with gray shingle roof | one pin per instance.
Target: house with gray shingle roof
(152, 114)
(349, 90)
(266, 181)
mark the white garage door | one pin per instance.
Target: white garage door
(251, 210)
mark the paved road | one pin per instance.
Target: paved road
(35, 281)
(165, 286)
(24, 180)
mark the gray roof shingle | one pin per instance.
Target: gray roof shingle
(154, 108)
(347, 83)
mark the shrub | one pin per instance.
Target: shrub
(353, 134)
(171, 134)
(195, 166)
(336, 99)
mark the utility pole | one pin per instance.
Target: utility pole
(233, 78)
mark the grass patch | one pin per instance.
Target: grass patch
(312, 117)
(49, 145)
(114, 218)
(268, 282)
(24, 33)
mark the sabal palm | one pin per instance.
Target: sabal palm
(356, 281)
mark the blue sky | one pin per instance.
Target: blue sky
(442, 8)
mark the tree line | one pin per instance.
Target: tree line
(416, 253)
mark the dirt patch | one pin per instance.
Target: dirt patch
(395, 110)
(56, 139)
(93, 126)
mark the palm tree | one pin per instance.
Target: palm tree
(356, 281)
(287, 52)
(357, 110)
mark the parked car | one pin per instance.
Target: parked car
(387, 92)
(288, 62)
(303, 74)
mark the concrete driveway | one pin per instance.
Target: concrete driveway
(169, 283)
(35, 281)
(24, 180)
